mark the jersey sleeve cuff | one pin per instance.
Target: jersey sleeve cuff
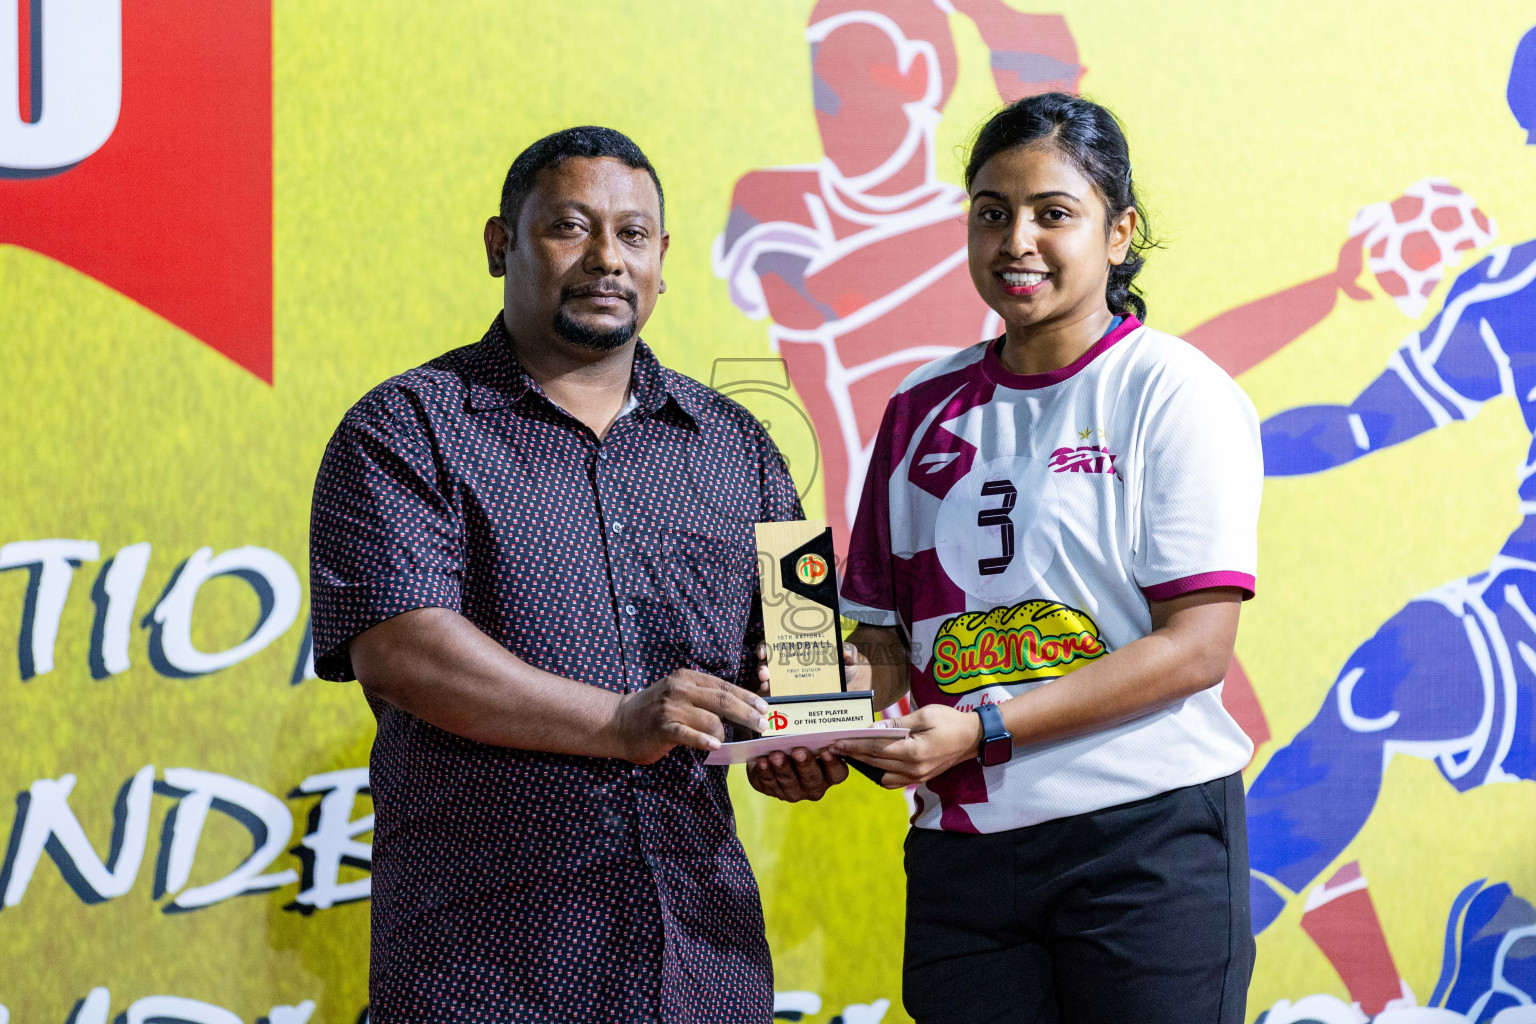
(1202, 581)
(867, 615)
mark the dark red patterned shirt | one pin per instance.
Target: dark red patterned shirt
(511, 885)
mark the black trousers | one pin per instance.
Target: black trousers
(1136, 914)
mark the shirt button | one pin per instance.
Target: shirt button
(602, 453)
(629, 609)
(618, 527)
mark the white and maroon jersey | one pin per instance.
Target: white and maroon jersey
(1015, 527)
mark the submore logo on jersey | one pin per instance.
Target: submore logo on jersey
(1028, 641)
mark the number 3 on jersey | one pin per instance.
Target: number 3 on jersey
(997, 528)
(999, 516)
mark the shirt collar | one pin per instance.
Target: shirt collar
(497, 379)
(1120, 328)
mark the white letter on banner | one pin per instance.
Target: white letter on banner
(291, 1014)
(176, 1010)
(46, 822)
(81, 78)
(268, 818)
(52, 564)
(96, 1007)
(93, 1009)
(275, 583)
(115, 593)
(332, 841)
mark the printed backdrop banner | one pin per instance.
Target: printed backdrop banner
(221, 223)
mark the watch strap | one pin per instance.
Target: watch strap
(992, 729)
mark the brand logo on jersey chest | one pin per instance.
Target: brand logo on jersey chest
(1089, 458)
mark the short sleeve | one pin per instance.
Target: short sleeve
(780, 497)
(868, 593)
(1202, 476)
(383, 537)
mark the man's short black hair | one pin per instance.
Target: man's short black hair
(552, 150)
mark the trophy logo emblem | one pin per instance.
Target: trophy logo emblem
(811, 569)
(777, 722)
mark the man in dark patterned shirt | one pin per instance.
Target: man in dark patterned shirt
(536, 553)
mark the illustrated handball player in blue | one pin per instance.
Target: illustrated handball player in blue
(1452, 676)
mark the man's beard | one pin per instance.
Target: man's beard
(569, 329)
(590, 337)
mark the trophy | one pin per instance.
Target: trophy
(809, 703)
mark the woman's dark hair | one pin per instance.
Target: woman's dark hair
(1092, 138)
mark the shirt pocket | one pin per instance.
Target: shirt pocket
(709, 579)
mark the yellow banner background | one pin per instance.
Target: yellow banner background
(1257, 133)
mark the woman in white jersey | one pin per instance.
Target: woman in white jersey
(1056, 533)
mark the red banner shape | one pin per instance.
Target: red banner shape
(174, 210)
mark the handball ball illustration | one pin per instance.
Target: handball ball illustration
(1412, 240)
